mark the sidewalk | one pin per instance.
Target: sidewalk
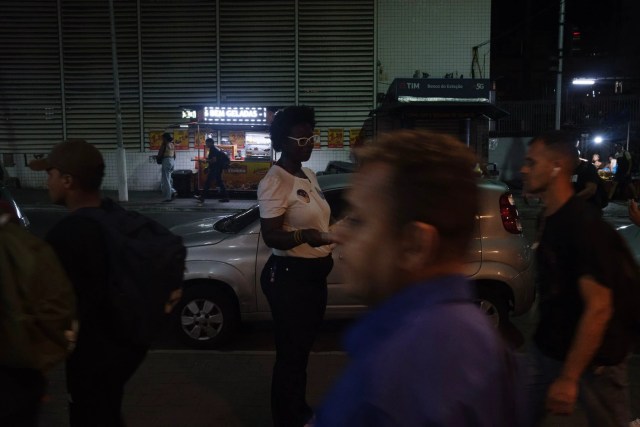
(140, 200)
(176, 388)
(152, 200)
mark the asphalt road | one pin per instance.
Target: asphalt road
(254, 343)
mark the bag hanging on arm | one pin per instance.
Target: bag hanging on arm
(146, 267)
(160, 155)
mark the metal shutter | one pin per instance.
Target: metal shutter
(257, 53)
(30, 98)
(336, 60)
(178, 58)
(88, 71)
(169, 55)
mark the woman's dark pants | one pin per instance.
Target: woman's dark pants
(296, 289)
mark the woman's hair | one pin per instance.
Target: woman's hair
(284, 120)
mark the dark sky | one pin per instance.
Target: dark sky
(524, 41)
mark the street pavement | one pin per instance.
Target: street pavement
(196, 388)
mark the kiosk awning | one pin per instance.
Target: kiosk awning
(440, 98)
(443, 110)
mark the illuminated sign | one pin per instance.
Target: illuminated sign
(189, 114)
(236, 115)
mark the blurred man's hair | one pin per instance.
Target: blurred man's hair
(432, 181)
(561, 142)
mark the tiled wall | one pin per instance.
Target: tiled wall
(143, 173)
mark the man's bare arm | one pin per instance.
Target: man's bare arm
(598, 309)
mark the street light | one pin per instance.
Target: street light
(583, 82)
(597, 139)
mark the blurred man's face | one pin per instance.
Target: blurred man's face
(369, 248)
(537, 171)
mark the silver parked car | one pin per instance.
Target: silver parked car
(6, 197)
(225, 256)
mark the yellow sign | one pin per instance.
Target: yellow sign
(335, 138)
(316, 145)
(237, 138)
(155, 139)
(355, 137)
(198, 139)
(240, 175)
(181, 139)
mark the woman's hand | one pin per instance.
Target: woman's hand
(315, 238)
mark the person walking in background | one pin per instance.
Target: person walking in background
(294, 217)
(216, 162)
(168, 154)
(582, 342)
(587, 184)
(102, 362)
(425, 355)
(622, 175)
(596, 162)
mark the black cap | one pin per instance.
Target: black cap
(167, 137)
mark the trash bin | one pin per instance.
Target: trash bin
(183, 182)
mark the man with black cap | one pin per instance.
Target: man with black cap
(101, 363)
(168, 154)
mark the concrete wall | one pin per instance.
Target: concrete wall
(435, 37)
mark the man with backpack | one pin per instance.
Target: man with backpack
(586, 309)
(124, 268)
(216, 162)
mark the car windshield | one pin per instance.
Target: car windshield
(238, 221)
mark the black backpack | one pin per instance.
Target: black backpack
(224, 160)
(146, 265)
(628, 274)
(602, 197)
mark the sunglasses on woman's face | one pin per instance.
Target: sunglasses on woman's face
(305, 140)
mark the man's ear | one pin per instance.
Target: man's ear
(67, 181)
(420, 242)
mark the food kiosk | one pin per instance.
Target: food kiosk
(241, 132)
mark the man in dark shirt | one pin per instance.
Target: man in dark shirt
(583, 339)
(622, 176)
(587, 184)
(102, 361)
(216, 162)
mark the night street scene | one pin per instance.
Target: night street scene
(304, 165)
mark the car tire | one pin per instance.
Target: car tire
(494, 305)
(207, 316)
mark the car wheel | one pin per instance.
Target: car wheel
(207, 317)
(493, 305)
